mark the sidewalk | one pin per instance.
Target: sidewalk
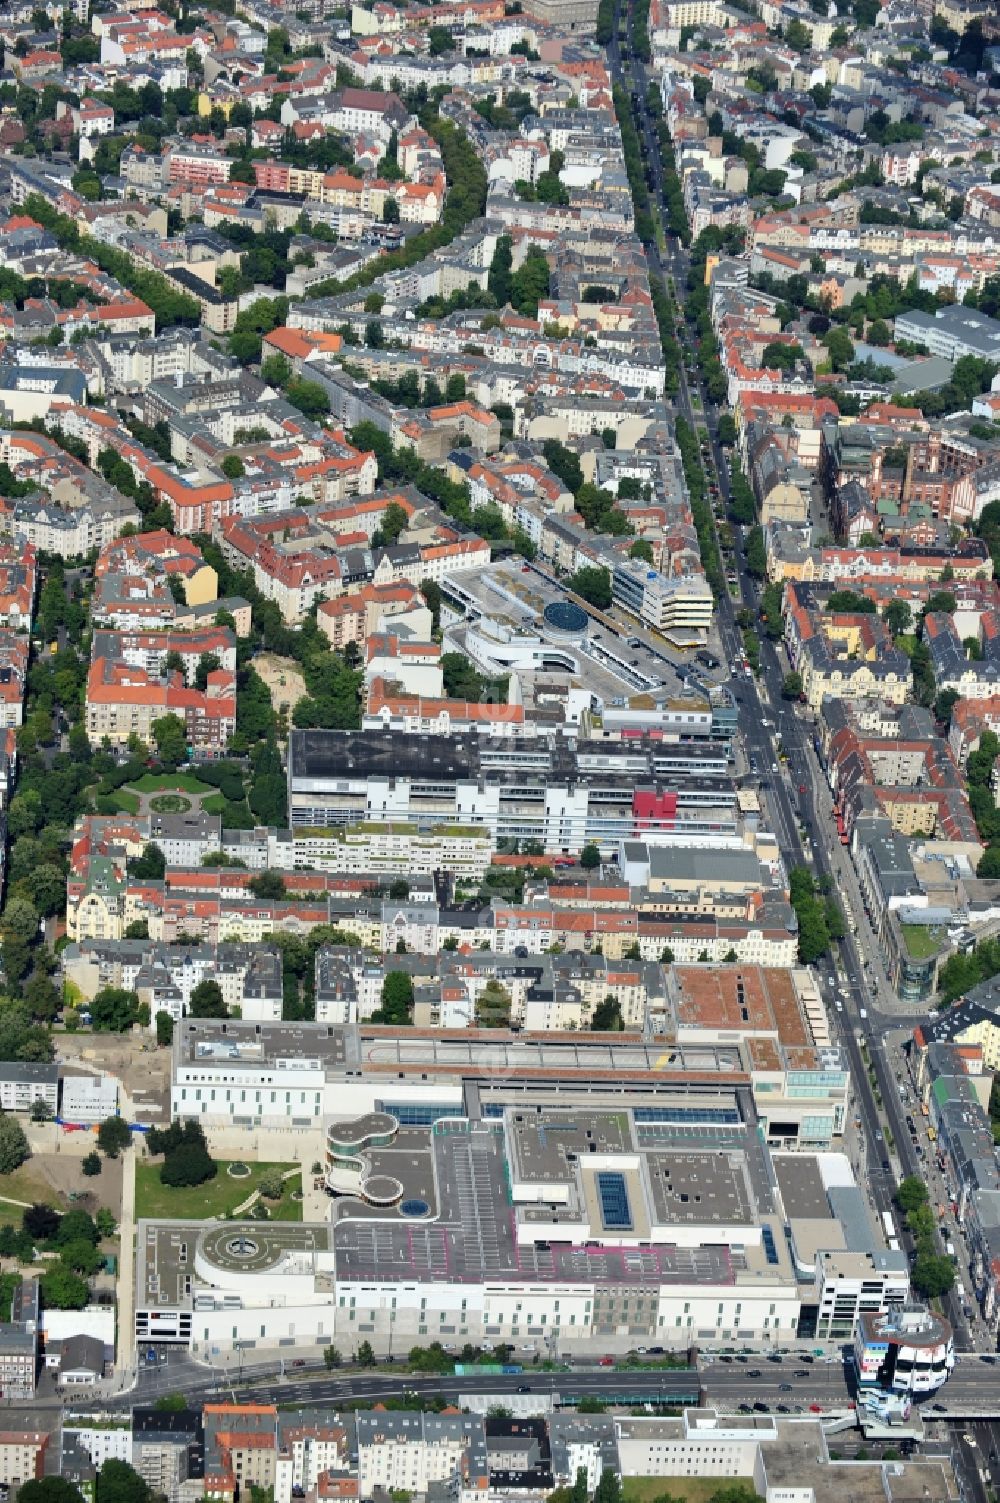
(125, 1357)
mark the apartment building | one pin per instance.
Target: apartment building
(168, 1450)
(415, 1452)
(160, 554)
(22, 1083)
(22, 1456)
(541, 789)
(122, 701)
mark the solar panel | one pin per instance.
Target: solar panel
(615, 1209)
(770, 1251)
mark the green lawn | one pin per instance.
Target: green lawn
(287, 1209)
(215, 803)
(170, 803)
(218, 1197)
(128, 803)
(168, 782)
(922, 940)
(683, 1489)
(27, 1186)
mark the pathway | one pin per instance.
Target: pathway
(126, 1356)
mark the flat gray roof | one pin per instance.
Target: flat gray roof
(210, 1040)
(29, 1071)
(375, 1051)
(801, 1186)
(543, 1144)
(165, 1253)
(690, 864)
(474, 1237)
(695, 1188)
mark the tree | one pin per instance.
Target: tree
(164, 1028)
(932, 1275)
(207, 1001)
(13, 1144)
(911, 1193)
(118, 1482)
(756, 552)
(41, 1222)
(798, 36)
(170, 737)
(91, 1164)
(780, 356)
(42, 997)
(188, 1164)
(642, 550)
(366, 1355)
(898, 617)
(20, 918)
(590, 857)
(393, 523)
(269, 885)
(105, 1222)
(397, 999)
(81, 1256)
(609, 1488)
(150, 866)
(114, 1010)
(607, 1016)
(113, 1136)
(49, 1489)
(76, 1226)
(46, 885)
(309, 397)
(62, 1289)
(563, 463)
(791, 686)
(593, 584)
(493, 1006)
(233, 467)
(498, 282)
(840, 348)
(940, 601)
(331, 1357)
(171, 1403)
(530, 283)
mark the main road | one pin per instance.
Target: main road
(805, 838)
(974, 1388)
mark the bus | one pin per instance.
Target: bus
(889, 1227)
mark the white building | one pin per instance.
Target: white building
(855, 1285)
(905, 1351)
(22, 1084)
(107, 1441)
(89, 1098)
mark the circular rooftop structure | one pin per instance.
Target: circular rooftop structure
(227, 1254)
(381, 1190)
(565, 620)
(374, 1130)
